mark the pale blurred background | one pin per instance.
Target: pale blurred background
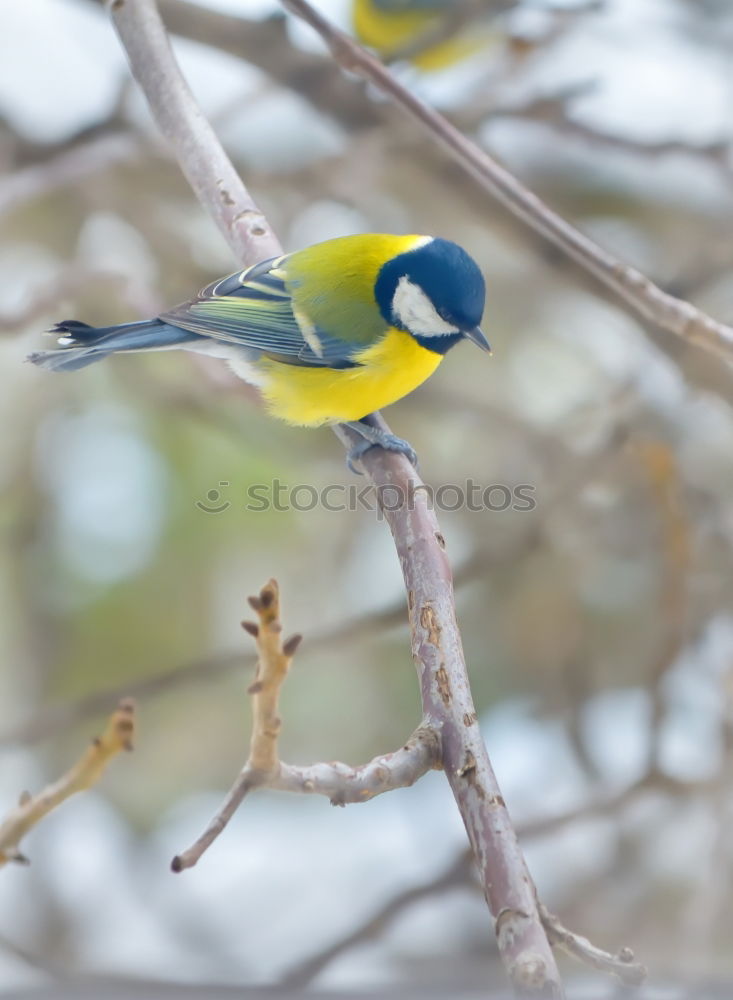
(598, 628)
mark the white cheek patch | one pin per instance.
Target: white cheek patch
(414, 311)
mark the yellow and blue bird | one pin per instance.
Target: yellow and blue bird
(391, 26)
(328, 334)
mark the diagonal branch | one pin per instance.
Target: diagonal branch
(200, 155)
(87, 771)
(646, 299)
(457, 875)
(622, 965)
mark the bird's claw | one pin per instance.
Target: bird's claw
(390, 442)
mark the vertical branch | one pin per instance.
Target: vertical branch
(272, 668)
(448, 704)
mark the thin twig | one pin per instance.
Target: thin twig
(554, 109)
(87, 771)
(265, 44)
(263, 768)
(273, 663)
(340, 783)
(623, 964)
(344, 785)
(646, 299)
(272, 669)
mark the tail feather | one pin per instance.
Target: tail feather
(79, 345)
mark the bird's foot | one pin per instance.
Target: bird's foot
(375, 437)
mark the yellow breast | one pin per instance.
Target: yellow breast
(387, 371)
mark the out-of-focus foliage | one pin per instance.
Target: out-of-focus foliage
(597, 626)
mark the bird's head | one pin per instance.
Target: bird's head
(436, 293)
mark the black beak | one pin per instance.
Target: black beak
(476, 336)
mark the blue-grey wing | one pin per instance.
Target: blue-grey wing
(253, 308)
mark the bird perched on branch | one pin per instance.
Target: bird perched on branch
(391, 27)
(328, 334)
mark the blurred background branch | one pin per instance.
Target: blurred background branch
(85, 773)
(676, 315)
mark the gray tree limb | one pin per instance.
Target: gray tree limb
(646, 299)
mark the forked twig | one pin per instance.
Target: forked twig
(263, 769)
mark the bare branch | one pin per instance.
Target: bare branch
(272, 669)
(554, 109)
(24, 151)
(448, 704)
(340, 783)
(87, 771)
(646, 299)
(265, 44)
(718, 153)
(461, 873)
(208, 169)
(623, 965)
(35, 960)
(263, 768)
(55, 718)
(344, 784)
